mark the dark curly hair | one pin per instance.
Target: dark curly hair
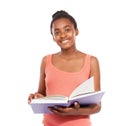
(62, 14)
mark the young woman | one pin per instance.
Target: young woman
(63, 71)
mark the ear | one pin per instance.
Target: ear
(76, 32)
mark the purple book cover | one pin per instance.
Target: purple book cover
(85, 99)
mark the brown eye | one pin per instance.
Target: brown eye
(57, 33)
(67, 30)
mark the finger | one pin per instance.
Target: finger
(38, 95)
(76, 105)
(29, 101)
(62, 110)
(57, 111)
(31, 96)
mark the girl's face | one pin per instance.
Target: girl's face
(64, 33)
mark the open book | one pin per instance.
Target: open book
(84, 94)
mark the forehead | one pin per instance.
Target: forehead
(61, 23)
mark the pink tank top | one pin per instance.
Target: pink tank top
(59, 82)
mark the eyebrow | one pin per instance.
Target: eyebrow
(63, 27)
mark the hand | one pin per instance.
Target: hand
(34, 96)
(63, 111)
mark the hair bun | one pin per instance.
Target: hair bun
(58, 13)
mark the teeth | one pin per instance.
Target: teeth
(65, 41)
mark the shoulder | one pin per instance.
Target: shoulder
(94, 62)
(94, 59)
(45, 57)
(44, 60)
(43, 63)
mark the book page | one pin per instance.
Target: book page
(50, 99)
(55, 97)
(85, 87)
(87, 99)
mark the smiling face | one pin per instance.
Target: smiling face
(64, 33)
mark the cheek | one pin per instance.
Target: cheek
(72, 35)
(54, 38)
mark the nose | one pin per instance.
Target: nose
(63, 34)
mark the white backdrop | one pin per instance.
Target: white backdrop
(25, 38)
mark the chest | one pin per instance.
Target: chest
(69, 65)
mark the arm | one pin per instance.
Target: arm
(94, 71)
(77, 109)
(41, 86)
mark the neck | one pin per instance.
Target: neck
(68, 53)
